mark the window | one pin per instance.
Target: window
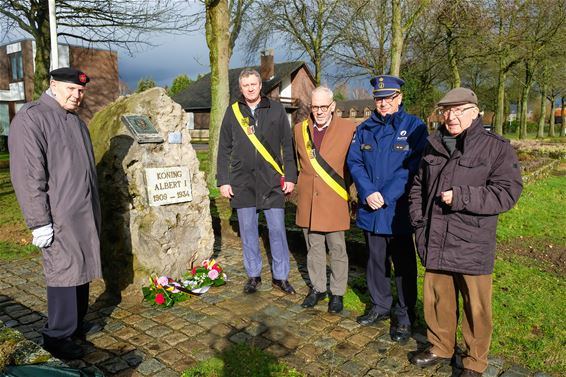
(353, 113)
(17, 64)
(367, 112)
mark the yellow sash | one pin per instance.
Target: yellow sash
(245, 124)
(328, 175)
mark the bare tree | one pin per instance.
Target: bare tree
(122, 23)
(311, 26)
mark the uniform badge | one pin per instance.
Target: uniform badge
(366, 147)
(381, 85)
(312, 154)
(250, 130)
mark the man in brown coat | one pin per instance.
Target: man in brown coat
(467, 177)
(54, 176)
(322, 143)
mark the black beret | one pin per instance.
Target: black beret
(68, 74)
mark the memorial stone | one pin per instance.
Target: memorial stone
(154, 199)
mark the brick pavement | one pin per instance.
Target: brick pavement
(140, 340)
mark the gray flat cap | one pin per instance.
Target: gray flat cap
(458, 96)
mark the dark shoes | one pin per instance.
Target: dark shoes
(427, 358)
(87, 328)
(252, 284)
(63, 348)
(470, 373)
(373, 316)
(335, 305)
(284, 286)
(401, 334)
(313, 297)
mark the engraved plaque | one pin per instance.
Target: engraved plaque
(168, 185)
(141, 128)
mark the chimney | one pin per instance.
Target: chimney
(267, 67)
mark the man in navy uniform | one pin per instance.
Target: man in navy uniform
(54, 176)
(383, 157)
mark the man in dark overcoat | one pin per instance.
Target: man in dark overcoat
(54, 176)
(255, 169)
(467, 177)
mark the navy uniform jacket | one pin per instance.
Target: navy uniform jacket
(384, 156)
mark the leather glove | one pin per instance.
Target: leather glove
(43, 236)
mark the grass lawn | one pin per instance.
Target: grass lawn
(15, 237)
(4, 156)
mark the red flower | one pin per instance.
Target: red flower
(217, 268)
(194, 271)
(159, 299)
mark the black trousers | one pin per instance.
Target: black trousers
(384, 249)
(66, 309)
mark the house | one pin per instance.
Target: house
(290, 83)
(17, 66)
(356, 110)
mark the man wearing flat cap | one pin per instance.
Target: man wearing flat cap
(54, 176)
(383, 157)
(467, 177)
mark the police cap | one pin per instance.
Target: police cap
(386, 85)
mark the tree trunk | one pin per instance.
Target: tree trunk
(500, 111)
(317, 70)
(563, 112)
(396, 38)
(452, 62)
(525, 100)
(542, 117)
(218, 41)
(551, 131)
(42, 52)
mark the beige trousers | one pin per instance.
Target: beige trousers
(316, 260)
(441, 292)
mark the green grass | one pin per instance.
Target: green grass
(528, 316)
(242, 361)
(4, 156)
(12, 225)
(539, 214)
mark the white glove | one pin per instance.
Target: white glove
(43, 236)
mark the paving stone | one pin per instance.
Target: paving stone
(150, 366)
(103, 342)
(349, 324)
(120, 313)
(277, 350)
(146, 324)
(325, 342)
(256, 328)
(158, 331)
(170, 356)
(134, 318)
(221, 330)
(120, 348)
(240, 338)
(126, 333)
(175, 338)
(331, 358)
(346, 350)
(97, 357)
(114, 365)
(192, 330)
(113, 326)
(141, 339)
(516, 371)
(352, 368)
(133, 358)
(30, 318)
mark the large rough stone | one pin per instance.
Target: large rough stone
(138, 239)
(15, 349)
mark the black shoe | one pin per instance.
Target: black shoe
(87, 328)
(427, 358)
(252, 284)
(401, 334)
(63, 348)
(313, 298)
(335, 305)
(470, 373)
(283, 285)
(372, 317)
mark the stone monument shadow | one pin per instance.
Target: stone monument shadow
(116, 246)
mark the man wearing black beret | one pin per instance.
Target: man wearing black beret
(54, 176)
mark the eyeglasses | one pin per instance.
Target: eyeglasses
(323, 108)
(456, 112)
(386, 99)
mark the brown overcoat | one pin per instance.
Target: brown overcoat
(320, 208)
